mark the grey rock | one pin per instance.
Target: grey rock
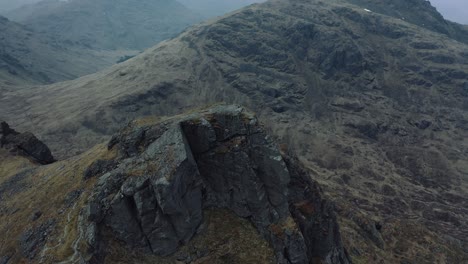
(91, 234)
(93, 212)
(32, 240)
(98, 167)
(315, 217)
(25, 143)
(222, 158)
(36, 215)
(72, 197)
(5, 259)
(366, 128)
(15, 184)
(123, 222)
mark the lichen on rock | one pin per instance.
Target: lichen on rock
(25, 144)
(169, 172)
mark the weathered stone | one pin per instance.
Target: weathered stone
(219, 158)
(72, 197)
(25, 143)
(98, 167)
(315, 217)
(91, 234)
(123, 222)
(93, 212)
(365, 127)
(5, 259)
(36, 215)
(32, 240)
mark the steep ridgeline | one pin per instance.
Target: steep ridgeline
(158, 192)
(30, 57)
(107, 24)
(212, 8)
(418, 12)
(375, 105)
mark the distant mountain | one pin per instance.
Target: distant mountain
(418, 12)
(29, 57)
(8, 5)
(107, 24)
(210, 8)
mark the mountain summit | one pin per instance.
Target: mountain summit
(205, 187)
(374, 106)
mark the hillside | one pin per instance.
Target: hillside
(8, 5)
(29, 57)
(107, 24)
(418, 12)
(212, 8)
(206, 187)
(373, 105)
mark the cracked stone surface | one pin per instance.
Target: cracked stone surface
(169, 172)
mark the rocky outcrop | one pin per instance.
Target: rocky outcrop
(169, 172)
(32, 240)
(25, 144)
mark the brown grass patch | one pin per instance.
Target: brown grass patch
(46, 191)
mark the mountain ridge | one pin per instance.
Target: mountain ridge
(418, 12)
(27, 57)
(168, 214)
(107, 24)
(374, 106)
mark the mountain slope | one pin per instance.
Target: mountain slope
(107, 24)
(28, 57)
(207, 187)
(374, 105)
(211, 8)
(418, 12)
(7, 5)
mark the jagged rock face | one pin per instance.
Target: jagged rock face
(24, 143)
(221, 158)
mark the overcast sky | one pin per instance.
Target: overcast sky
(455, 10)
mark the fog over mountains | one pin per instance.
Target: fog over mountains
(454, 10)
(210, 8)
(8, 5)
(108, 25)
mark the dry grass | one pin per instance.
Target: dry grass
(287, 225)
(46, 191)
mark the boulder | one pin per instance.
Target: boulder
(25, 144)
(168, 173)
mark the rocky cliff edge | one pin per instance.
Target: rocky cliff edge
(153, 196)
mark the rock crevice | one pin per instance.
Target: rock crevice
(170, 172)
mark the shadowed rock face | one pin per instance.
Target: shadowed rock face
(220, 158)
(24, 143)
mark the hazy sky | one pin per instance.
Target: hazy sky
(455, 10)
